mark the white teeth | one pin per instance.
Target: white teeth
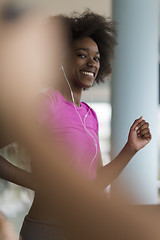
(88, 73)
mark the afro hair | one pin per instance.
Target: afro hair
(102, 30)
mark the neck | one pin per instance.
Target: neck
(77, 93)
(65, 91)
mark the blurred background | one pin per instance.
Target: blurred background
(131, 91)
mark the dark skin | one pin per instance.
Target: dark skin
(85, 64)
(84, 58)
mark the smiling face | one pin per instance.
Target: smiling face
(85, 63)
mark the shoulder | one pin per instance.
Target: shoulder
(91, 110)
(46, 104)
(48, 95)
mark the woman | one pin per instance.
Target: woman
(73, 123)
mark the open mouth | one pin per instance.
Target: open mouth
(91, 74)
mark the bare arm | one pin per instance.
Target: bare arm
(8, 171)
(139, 136)
(108, 173)
(13, 174)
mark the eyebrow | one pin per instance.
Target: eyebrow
(85, 49)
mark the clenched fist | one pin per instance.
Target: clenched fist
(139, 135)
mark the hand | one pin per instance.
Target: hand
(139, 135)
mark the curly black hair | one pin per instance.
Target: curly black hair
(102, 30)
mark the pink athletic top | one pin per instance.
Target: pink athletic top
(61, 118)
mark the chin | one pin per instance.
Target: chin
(87, 84)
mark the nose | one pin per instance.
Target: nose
(91, 62)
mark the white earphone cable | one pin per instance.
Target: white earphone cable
(83, 123)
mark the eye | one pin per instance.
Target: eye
(97, 59)
(81, 55)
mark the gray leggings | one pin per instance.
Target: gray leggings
(37, 230)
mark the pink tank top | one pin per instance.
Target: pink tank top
(61, 118)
